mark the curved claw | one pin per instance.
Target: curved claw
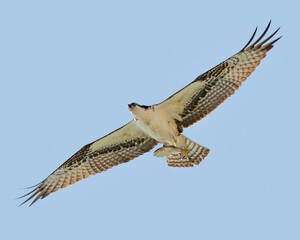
(184, 151)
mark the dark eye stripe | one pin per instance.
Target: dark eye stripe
(144, 106)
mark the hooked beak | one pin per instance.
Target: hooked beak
(131, 105)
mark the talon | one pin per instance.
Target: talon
(184, 151)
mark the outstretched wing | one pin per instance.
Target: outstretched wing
(212, 88)
(120, 146)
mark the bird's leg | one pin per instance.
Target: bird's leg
(184, 151)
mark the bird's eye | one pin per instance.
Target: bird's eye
(131, 105)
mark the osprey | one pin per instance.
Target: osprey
(161, 123)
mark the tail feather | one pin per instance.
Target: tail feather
(195, 155)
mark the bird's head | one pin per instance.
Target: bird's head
(131, 106)
(137, 110)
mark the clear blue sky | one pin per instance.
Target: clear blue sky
(68, 71)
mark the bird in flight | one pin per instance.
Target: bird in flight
(161, 123)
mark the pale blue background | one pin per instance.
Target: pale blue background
(68, 71)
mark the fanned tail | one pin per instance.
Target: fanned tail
(195, 155)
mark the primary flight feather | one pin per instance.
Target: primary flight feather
(161, 123)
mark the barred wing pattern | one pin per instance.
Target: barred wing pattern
(120, 146)
(196, 155)
(212, 88)
(187, 106)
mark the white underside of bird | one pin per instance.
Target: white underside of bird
(158, 124)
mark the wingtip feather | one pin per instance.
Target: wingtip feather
(257, 43)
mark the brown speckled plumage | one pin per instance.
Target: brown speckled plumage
(223, 80)
(187, 106)
(87, 162)
(196, 154)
